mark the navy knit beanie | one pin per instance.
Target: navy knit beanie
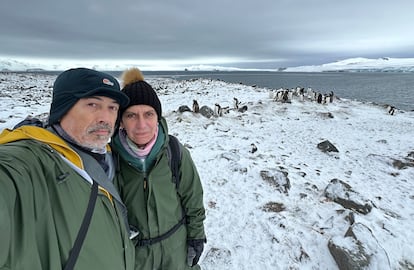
(139, 91)
(74, 84)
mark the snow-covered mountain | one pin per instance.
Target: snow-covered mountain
(14, 65)
(8, 64)
(384, 64)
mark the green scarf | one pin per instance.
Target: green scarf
(143, 165)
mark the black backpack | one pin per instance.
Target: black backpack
(174, 153)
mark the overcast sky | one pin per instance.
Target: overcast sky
(236, 33)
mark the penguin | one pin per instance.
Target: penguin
(319, 98)
(236, 103)
(196, 108)
(285, 96)
(391, 110)
(254, 148)
(331, 96)
(242, 109)
(217, 109)
(225, 110)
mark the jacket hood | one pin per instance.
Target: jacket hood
(44, 136)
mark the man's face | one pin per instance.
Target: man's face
(91, 121)
(140, 123)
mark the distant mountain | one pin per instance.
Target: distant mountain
(359, 64)
(14, 65)
(219, 68)
(7, 64)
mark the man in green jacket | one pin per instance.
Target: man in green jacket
(168, 219)
(46, 176)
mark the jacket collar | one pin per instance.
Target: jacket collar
(44, 136)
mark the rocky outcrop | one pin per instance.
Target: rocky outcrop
(358, 249)
(343, 194)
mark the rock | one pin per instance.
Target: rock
(403, 164)
(184, 108)
(327, 146)
(343, 194)
(277, 178)
(206, 111)
(358, 249)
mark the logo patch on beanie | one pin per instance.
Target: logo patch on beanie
(107, 82)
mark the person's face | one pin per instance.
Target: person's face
(91, 121)
(140, 123)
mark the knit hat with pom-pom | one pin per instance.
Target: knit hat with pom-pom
(139, 91)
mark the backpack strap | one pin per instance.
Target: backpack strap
(151, 241)
(174, 158)
(174, 153)
(74, 253)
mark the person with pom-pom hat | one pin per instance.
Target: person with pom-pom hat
(167, 217)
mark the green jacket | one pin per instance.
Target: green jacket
(43, 202)
(155, 205)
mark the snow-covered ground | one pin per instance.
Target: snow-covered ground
(268, 209)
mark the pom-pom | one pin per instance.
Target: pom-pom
(131, 75)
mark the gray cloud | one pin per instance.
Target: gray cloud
(256, 34)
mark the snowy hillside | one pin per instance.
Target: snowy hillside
(287, 185)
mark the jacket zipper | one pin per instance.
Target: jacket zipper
(145, 173)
